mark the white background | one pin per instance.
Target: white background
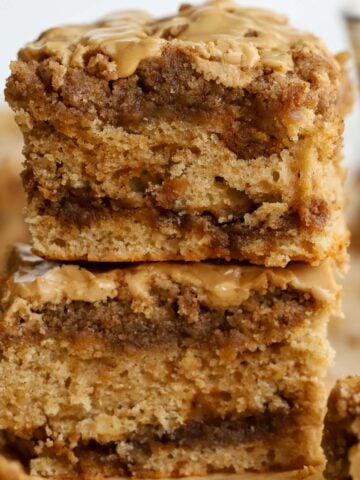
(23, 20)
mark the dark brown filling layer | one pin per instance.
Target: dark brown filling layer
(169, 88)
(195, 434)
(85, 212)
(178, 318)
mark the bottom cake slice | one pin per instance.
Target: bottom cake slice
(163, 370)
(342, 431)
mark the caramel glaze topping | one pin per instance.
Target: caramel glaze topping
(225, 42)
(219, 286)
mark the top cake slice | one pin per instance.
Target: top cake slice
(214, 133)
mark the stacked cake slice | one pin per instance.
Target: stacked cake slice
(163, 369)
(216, 133)
(212, 136)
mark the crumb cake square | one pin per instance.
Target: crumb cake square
(213, 133)
(342, 431)
(163, 370)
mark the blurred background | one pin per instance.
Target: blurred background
(337, 22)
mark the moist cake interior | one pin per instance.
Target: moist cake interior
(178, 369)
